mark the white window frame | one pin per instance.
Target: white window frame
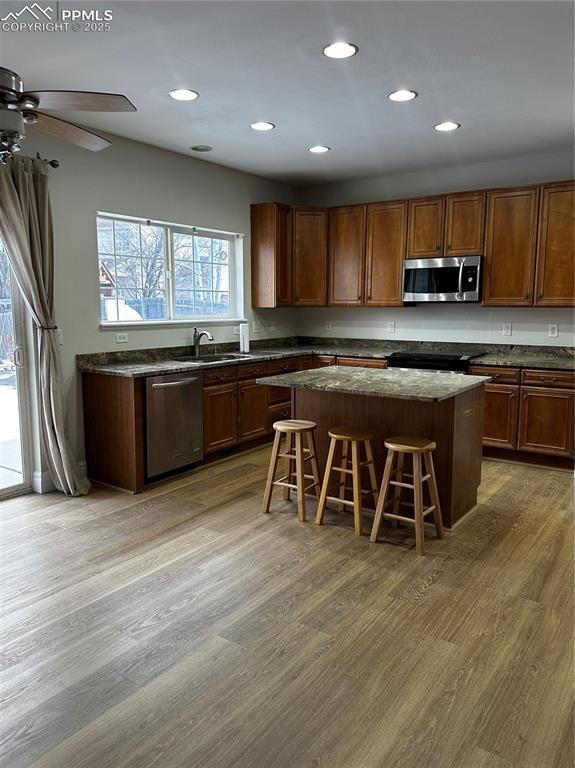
(235, 276)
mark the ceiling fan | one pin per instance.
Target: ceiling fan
(19, 108)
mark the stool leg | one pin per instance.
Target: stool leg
(418, 507)
(397, 497)
(430, 470)
(371, 469)
(357, 521)
(271, 472)
(313, 462)
(382, 496)
(343, 480)
(300, 479)
(288, 473)
(324, 488)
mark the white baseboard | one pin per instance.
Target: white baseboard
(42, 482)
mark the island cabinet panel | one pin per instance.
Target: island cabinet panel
(346, 238)
(252, 410)
(426, 224)
(385, 252)
(510, 247)
(501, 416)
(271, 255)
(465, 224)
(361, 362)
(546, 421)
(114, 429)
(309, 257)
(220, 416)
(555, 277)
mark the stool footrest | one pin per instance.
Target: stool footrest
(408, 485)
(408, 519)
(307, 455)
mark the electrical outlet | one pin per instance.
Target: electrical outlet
(121, 338)
(272, 325)
(389, 326)
(328, 325)
(60, 337)
(256, 328)
(507, 329)
(236, 330)
(553, 331)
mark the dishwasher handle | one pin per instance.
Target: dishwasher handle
(180, 383)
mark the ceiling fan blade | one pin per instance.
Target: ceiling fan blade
(83, 101)
(71, 133)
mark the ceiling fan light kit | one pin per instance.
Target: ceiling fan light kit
(19, 108)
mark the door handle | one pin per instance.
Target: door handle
(19, 357)
(180, 383)
(460, 279)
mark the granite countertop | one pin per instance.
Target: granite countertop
(526, 360)
(392, 383)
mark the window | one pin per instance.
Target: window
(152, 272)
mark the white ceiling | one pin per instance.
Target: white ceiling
(502, 69)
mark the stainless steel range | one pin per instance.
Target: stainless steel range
(432, 361)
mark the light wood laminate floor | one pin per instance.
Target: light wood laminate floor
(183, 629)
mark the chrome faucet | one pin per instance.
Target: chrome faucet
(198, 335)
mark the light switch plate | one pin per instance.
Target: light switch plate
(121, 338)
(328, 325)
(553, 331)
(389, 326)
(236, 330)
(507, 329)
(60, 337)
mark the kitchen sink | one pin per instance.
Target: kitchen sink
(211, 358)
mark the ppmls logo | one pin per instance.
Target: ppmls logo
(37, 18)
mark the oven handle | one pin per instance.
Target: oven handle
(179, 383)
(460, 280)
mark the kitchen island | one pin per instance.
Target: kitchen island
(444, 407)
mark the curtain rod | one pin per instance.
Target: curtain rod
(51, 163)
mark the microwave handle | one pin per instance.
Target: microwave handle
(460, 280)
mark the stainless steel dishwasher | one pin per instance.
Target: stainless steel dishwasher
(174, 422)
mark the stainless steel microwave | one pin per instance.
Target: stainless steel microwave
(454, 278)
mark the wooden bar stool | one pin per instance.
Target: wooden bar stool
(346, 437)
(417, 447)
(294, 451)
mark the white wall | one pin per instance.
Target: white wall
(435, 322)
(138, 180)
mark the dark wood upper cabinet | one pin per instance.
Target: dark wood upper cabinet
(271, 255)
(385, 251)
(510, 247)
(555, 277)
(426, 224)
(501, 416)
(309, 257)
(546, 421)
(253, 410)
(220, 416)
(346, 238)
(465, 224)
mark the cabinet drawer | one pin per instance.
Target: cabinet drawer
(277, 413)
(498, 375)
(532, 377)
(219, 375)
(252, 370)
(323, 361)
(282, 366)
(362, 362)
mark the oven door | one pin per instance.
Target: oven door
(448, 279)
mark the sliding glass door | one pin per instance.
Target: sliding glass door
(14, 459)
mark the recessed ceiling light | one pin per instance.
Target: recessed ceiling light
(319, 149)
(201, 148)
(340, 50)
(402, 95)
(448, 125)
(262, 126)
(184, 94)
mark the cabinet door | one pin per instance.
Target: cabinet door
(305, 363)
(426, 219)
(346, 238)
(465, 224)
(510, 247)
(546, 421)
(555, 281)
(500, 416)
(220, 417)
(253, 410)
(278, 412)
(385, 251)
(271, 255)
(309, 257)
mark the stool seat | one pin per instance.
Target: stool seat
(350, 433)
(294, 425)
(410, 444)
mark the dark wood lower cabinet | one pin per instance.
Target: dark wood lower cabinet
(220, 417)
(277, 413)
(253, 411)
(500, 416)
(546, 421)
(323, 361)
(361, 362)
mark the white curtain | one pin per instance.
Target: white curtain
(26, 229)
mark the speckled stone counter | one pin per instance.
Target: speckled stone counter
(394, 383)
(527, 360)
